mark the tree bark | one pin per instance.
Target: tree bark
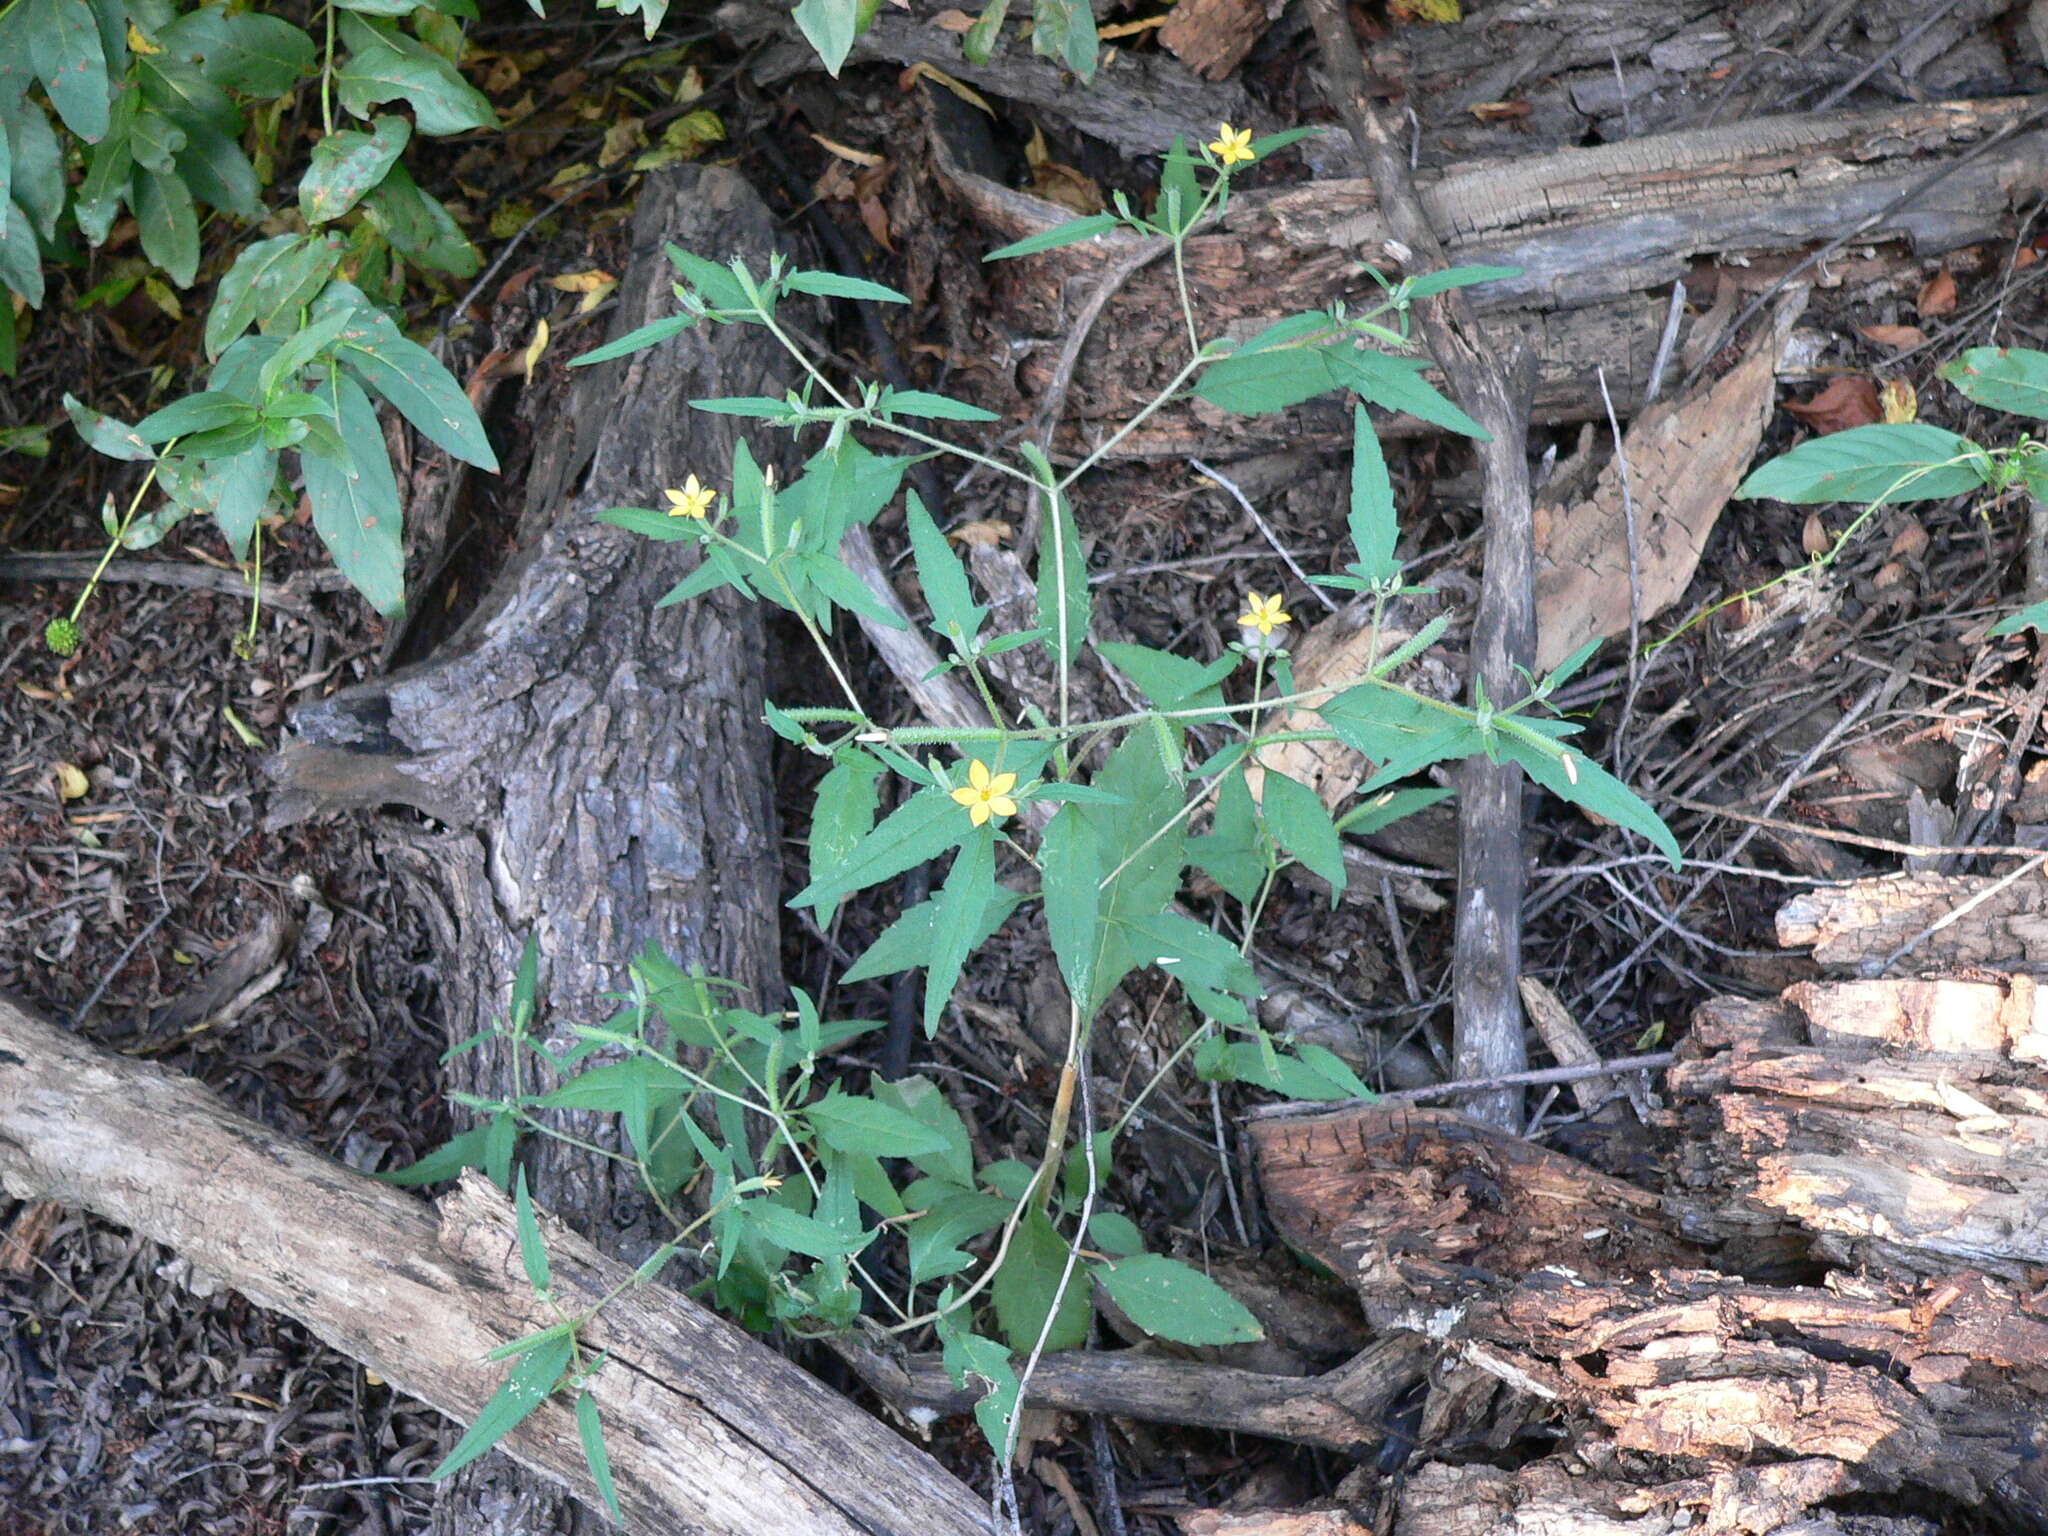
(599, 765)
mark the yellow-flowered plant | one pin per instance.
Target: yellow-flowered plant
(1232, 146)
(693, 500)
(1263, 613)
(986, 795)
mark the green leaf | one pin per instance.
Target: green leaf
(419, 226)
(169, 222)
(636, 340)
(1116, 1235)
(831, 26)
(2005, 378)
(1232, 853)
(355, 503)
(1396, 383)
(1383, 810)
(923, 827)
(533, 1253)
(255, 54)
(21, 262)
(1584, 782)
(1070, 233)
(969, 1358)
(269, 283)
(386, 65)
(1180, 194)
(2033, 616)
(1170, 681)
(155, 141)
(406, 374)
(107, 178)
(1374, 530)
(1300, 823)
(194, 413)
(850, 1123)
(68, 55)
(107, 435)
(831, 285)
(1894, 462)
(920, 1098)
(1065, 30)
(529, 1385)
(35, 178)
(1071, 872)
(615, 1087)
(978, 42)
(1257, 383)
(1063, 599)
(1194, 955)
(969, 888)
(799, 1233)
(444, 1162)
(955, 615)
(1027, 1289)
(918, 402)
(937, 1239)
(1457, 277)
(843, 814)
(1169, 1300)
(591, 1433)
(346, 164)
(909, 940)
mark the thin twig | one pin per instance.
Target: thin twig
(1265, 528)
(1654, 1061)
(1635, 581)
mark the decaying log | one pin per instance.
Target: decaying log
(709, 1430)
(1860, 926)
(1591, 229)
(597, 765)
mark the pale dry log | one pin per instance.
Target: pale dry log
(1854, 926)
(709, 1430)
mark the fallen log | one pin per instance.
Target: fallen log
(1600, 236)
(710, 1430)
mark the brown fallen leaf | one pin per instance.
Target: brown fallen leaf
(1814, 538)
(1910, 542)
(1938, 295)
(953, 21)
(1848, 401)
(988, 531)
(1900, 336)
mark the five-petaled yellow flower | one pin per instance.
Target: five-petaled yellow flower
(1234, 145)
(1263, 613)
(693, 500)
(986, 794)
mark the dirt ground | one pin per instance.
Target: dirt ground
(289, 970)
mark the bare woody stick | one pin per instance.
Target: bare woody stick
(1487, 957)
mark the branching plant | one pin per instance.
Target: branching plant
(809, 1194)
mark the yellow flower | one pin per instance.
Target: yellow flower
(693, 500)
(1234, 145)
(1265, 613)
(986, 794)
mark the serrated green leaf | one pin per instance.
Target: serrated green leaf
(1572, 776)
(832, 285)
(1028, 1290)
(908, 941)
(1232, 853)
(843, 814)
(533, 1253)
(2005, 378)
(923, 827)
(970, 886)
(1457, 277)
(938, 1238)
(1170, 1300)
(591, 1433)
(1383, 810)
(1397, 384)
(1069, 233)
(1902, 461)
(1194, 955)
(614, 1087)
(956, 617)
(920, 1098)
(1070, 865)
(918, 402)
(1301, 824)
(852, 1123)
(356, 509)
(529, 1385)
(1374, 528)
(799, 1233)
(636, 340)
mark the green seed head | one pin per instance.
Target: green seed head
(62, 637)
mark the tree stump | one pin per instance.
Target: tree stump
(598, 767)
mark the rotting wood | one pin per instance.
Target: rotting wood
(1601, 235)
(1853, 926)
(710, 1431)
